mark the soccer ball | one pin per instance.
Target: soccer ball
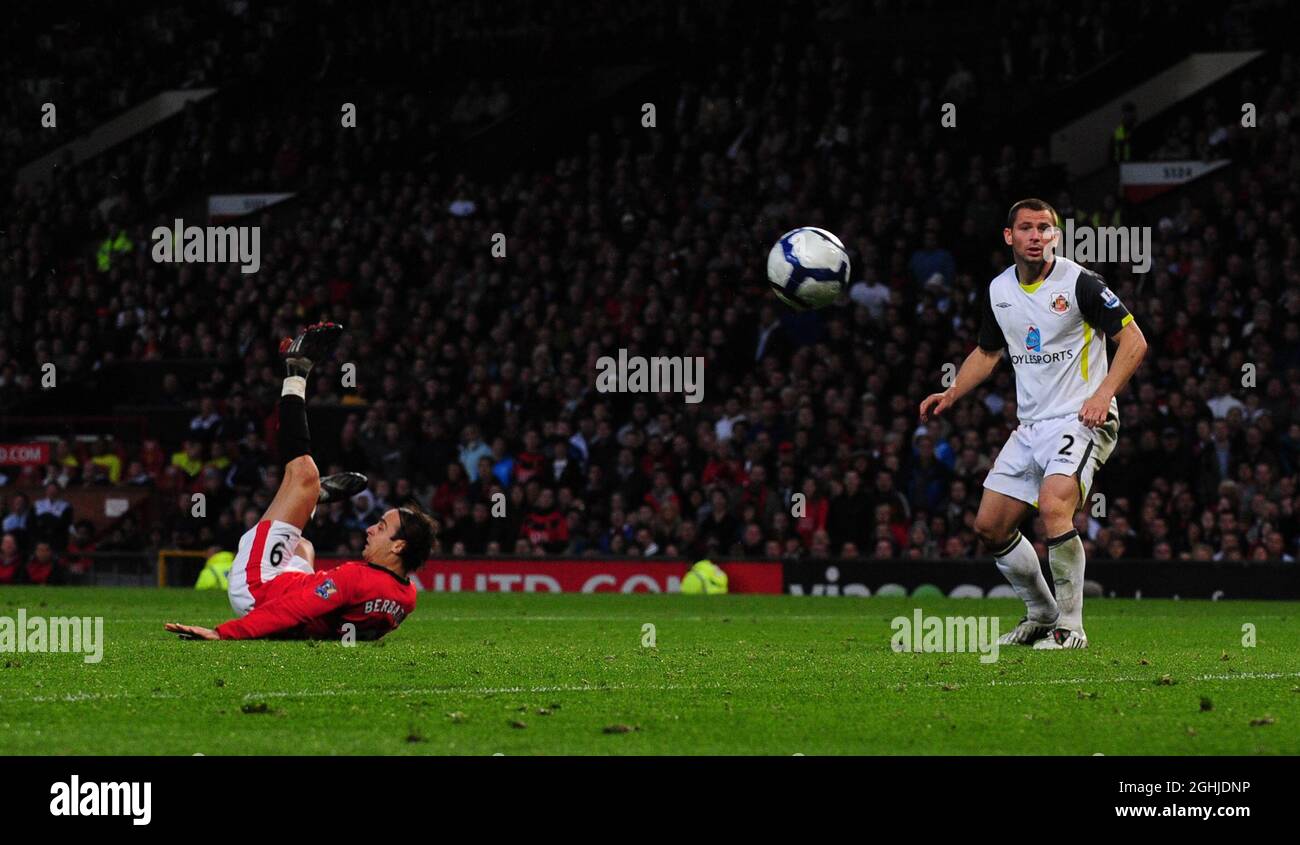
(808, 268)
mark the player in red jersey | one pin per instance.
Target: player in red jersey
(273, 584)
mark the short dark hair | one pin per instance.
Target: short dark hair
(420, 532)
(1033, 204)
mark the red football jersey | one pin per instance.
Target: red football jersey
(300, 606)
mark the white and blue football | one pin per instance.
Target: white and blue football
(808, 268)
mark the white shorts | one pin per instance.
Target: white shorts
(1060, 446)
(265, 552)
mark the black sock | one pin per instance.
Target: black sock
(295, 440)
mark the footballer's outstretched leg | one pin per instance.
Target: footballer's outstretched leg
(1058, 500)
(996, 522)
(300, 489)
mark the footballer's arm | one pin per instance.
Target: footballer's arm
(1131, 349)
(275, 617)
(1102, 308)
(278, 616)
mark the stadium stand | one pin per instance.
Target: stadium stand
(474, 374)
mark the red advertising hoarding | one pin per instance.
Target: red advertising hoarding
(24, 454)
(579, 575)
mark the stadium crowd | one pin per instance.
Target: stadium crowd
(474, 389)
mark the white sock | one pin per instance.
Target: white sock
(1019, 565)
(295, 386)
(1065, 556)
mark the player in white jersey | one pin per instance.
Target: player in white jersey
(1052, 316)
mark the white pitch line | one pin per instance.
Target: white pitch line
(739, 616)
(95, 696)
(482, 690)
(251, 696)
(1240, 676)
(638, 619)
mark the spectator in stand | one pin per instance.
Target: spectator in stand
(53, 517)
(394, 449)
(849, 516)
(207, 422)
(81, 548)
(814, 514)
(457, 525)
(218, 459)
(899, 509)
(530, 462)
(41, 567)
(330, 527)
(1275, 545)
(503, 463)
(137, 476)
(226, 531)
(103, 454)
(563, 470)
(472, 450)
(19, 521)
(930, 477)
(486, 483)
(238, 421)
(932, 260)
(545, 527)
(11, 559)
(454, 487)
(955, 548)
(751, 542)
(720, 528)
(662, 494)
(920, 541)
(66, 459)
(479, 532)
(190, 458)
(246, 469)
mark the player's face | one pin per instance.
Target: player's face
(1031, 235)
(379, 538)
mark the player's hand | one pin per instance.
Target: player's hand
(936, 403)
(1094, 411)
(191, 632)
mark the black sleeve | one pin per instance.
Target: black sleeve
(1099, 305)
(991, 337)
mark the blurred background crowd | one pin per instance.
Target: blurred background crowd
(466, 374)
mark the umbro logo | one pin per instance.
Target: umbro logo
(1004, 304)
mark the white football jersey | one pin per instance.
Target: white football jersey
(1055, 331)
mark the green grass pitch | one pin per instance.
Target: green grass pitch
(741, 674)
